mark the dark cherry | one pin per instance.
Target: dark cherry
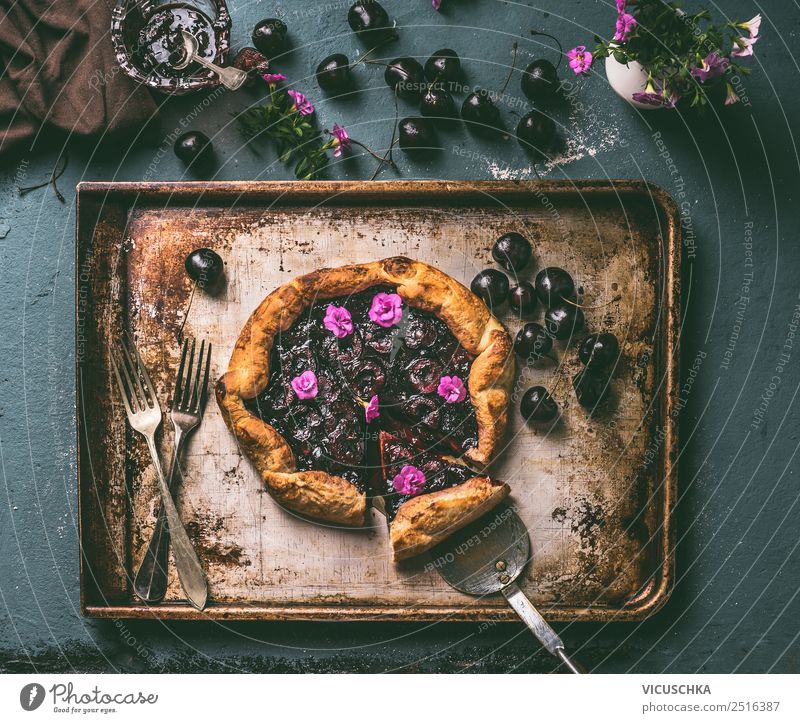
(421, 410)
(371, 21)
(553, 285)
(512, 251)
(341, 352)
(444, 66)
(563, 320)
(591, 388)
(437, 103)
(599, 350)
(380, 339)
(368, 378)
(270, 36)
(491, 285)
(522, 299)
(193, 147)
(406, 77)
(532, 341)
(420, 333)
(481, 113)
(536, 131)
(333, 73)
(540, 80)
(537, 405)
(424, 375)
(204, 266)
(416, 134)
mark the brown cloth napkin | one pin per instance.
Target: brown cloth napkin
(57, 68)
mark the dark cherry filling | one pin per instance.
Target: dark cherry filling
(402, 364)
(396, 453)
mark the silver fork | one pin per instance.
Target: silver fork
(188, 402)
(144, 416)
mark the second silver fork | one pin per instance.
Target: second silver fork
(188, 403)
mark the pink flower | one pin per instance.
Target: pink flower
(625, 23)
(436, 4)
(338, 321)
(341, 140)
(580, 60)
(372, 410)
(273, 78)
(301, 103)
(731, 96)
(621, 6)
(752, 26)
(714, 66)
(743, 47)
(452, 389)
(386, 309)
(305, 386)
(410, 481)
(663, 98)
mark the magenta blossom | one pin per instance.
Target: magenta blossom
(410, 481)
(273, 78)
(305, 386)
(386, 309)
(662, 98)
(731, 97)
(436, 4)
(625, 23)
(341, 140)
(338, 321)
(743, 47)
(621, 6)
(372, 410)
(580, 60)
(714, 66)
(301, 103)
(452, 389)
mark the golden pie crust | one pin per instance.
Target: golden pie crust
(421, 521)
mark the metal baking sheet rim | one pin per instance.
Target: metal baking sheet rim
(651, 598)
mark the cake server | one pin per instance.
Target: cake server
(487, 557)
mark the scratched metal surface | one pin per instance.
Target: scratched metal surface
(588, 488)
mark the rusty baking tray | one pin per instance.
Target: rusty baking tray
(596, 494)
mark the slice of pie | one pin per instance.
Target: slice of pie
(329, 359)
(427, 497)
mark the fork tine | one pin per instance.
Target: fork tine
(131, 374)
(178, 393)
(204, 389)
(198, 373)
(123, 391)
(153, 401)
(187, 387)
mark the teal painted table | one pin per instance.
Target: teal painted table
(736, 606)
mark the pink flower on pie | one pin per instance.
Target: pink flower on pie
(305, 386)
(410, 481)
(372, 411)
(338, 321)
(452, 389)
(301, 104)
(386, 309)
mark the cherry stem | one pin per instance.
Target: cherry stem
(552, 37)
(599, 306)
(54, 176)
(373, 153)
(388, 158)
(513, 67)
(186, 315)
